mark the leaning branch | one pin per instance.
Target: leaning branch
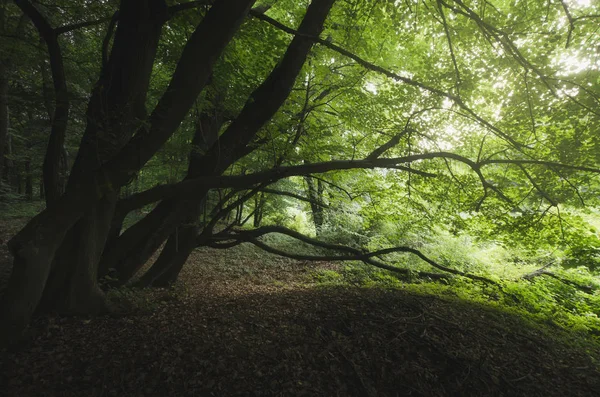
(351, 253)
(191, 186)
(588, 289)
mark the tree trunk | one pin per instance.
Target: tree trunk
(165, 270)
(4, 122)
(53, 178)
(315, 194)
(115, 110)
(28, 180)
(121, 254)
(259, 204)
(233, 144)
(35, 246)
(10, 166)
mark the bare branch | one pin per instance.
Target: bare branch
(537, 187)
(450, 46)
(354, 254)
(571, 22)
(588, 289)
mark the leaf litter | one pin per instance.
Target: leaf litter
(244, 324)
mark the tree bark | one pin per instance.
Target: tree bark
(122, 253)
(116, 109)
(262, 104)
(28, 180)
(35, 246)
(315, 194)
(53, 177)
(259, 204)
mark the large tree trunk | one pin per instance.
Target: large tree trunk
(233, 144)
(121, 255)
(36, 245)
(116, 109)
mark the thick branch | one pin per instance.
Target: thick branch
(245, 181)
(107, 37)
(34, 246)
(388, 145)
(549, 164)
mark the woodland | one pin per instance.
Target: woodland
(276, 197)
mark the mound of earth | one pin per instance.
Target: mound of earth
(303, 342)
(242, 323)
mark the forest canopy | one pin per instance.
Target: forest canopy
(438, 140)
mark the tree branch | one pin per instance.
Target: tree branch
(571, 22)
(294, 195)
(53, 185)
(79, 25)
(378, 69)
(174, 9)
(588, 289)
(388, 145)
(106, 41)
(354, 254)
(450, 46)
(244, 181)
(537, 187)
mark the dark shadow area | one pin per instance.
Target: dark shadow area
(313, 341)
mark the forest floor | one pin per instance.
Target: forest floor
(243, 323)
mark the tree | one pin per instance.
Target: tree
(457, 101)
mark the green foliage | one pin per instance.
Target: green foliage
(544, 299)
(503, 81)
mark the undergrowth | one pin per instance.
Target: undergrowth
(542, 300)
